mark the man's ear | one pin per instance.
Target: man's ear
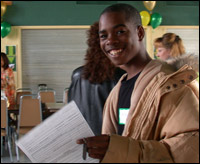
(141, 32)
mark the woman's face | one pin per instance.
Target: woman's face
(2, 62)
(163, 53)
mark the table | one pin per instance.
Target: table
(13, 109)
(50, 108)
(47, 109)
(53, 107)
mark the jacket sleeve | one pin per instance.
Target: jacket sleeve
(176, 139)
(127, 150)
(180, 128)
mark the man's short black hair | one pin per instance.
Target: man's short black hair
(132, 14)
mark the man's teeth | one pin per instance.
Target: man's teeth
(114, 52)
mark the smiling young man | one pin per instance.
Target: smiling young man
(152, 115)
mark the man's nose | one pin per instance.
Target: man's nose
(112, 40)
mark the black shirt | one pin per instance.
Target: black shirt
(125, 93)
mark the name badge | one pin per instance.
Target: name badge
(123, 113)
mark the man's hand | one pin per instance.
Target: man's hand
(96, 146)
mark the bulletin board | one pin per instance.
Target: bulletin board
(11, 54)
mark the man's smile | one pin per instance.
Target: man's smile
(115, 52)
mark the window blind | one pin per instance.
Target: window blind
(50, 56)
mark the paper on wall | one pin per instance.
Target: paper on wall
(54, 140)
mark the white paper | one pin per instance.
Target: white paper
(54, 140)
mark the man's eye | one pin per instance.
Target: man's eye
(103, 36)
(120, 32)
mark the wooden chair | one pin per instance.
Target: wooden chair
(47, 95)
(20, 92)
(30, 115)
(65, 95)
(5, 130)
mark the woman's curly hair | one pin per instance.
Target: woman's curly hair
(98, 67)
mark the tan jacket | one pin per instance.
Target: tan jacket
(163, 121)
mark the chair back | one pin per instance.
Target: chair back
(5, 132)
(30, 113)
(47, 95)
(4, 115)
(65, 95)
(20, 92)
(42, 86)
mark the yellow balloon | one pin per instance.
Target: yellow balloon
(149, 5)
(3, 8)
(145, 16)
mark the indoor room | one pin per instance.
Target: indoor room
(99, 81)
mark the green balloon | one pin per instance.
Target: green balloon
(5, 29)
(156, 20)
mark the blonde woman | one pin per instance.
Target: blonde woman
(169, 46)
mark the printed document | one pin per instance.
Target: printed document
(54, 140)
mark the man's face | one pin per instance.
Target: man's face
(119, 38)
